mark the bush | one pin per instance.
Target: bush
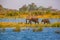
(38, 29)
(56, 25)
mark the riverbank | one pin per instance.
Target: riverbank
(24, 16)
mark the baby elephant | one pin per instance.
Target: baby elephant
(45, 21)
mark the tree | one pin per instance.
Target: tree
(49, 9)
(1, 7)
(12, 13)
(32, 7)
(40, 8)
(23, 8)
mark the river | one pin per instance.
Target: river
(24, 20)
(46, 34)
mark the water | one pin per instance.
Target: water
(24, 20)
(46, 34)
(12, 20)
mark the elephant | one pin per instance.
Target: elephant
(46, 21)
(32, 19)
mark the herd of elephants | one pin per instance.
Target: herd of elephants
(35, 20)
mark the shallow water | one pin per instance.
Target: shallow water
(46, 34)
(24, 20)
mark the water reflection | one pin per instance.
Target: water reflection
(38, 29)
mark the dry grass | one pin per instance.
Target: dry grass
(25, 15)
(22, 25)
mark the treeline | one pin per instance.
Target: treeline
(8, 12)
(38, 10)
(29, 9)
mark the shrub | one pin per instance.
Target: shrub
(56, 25)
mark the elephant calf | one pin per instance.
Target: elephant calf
(46, 21)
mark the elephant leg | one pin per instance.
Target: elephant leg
(38, 22)
(26, 21)
(49, 22)
(35, 22)
(30, 21)
(44, 22)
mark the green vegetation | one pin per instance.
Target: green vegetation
(38, 29)
(21, 25)
(18, 26)
(17, 30)
(56, 25)
(30, 9)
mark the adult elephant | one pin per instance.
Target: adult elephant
(45, 21)
(31, 19)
